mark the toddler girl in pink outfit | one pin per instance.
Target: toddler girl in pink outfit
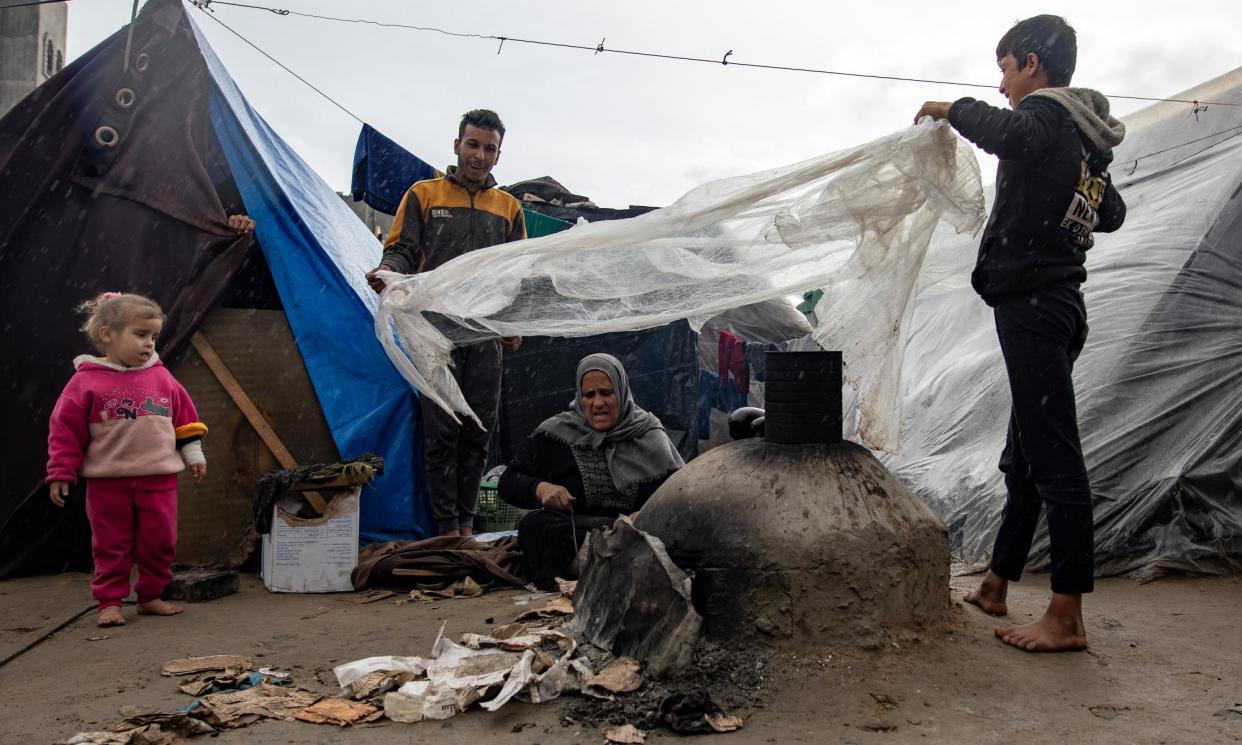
(128, 427)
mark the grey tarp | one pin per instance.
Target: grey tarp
(1159, 384)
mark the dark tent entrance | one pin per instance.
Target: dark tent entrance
(129, 174)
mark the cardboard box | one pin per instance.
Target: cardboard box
(313, 555)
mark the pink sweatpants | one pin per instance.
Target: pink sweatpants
(133, 520)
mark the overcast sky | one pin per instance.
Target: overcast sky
(626, 130)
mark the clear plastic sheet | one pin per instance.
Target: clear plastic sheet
(856, 223)
(1159, 384)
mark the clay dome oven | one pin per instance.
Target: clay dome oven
(799, 535)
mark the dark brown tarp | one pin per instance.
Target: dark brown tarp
(450, 557)
(78, 218)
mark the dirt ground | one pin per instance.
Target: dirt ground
(1165, 661)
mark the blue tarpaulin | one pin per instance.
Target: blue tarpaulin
(384, 171)
(319, 252)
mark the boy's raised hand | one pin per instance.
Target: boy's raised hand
(934, 109)
(58, 490)
(197, 470)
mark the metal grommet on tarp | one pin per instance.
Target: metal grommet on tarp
(142, 62)
(125, 98)
(107, 136)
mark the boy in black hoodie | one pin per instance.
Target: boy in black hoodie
(1052, 192)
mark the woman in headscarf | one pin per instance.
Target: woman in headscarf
(584, 467)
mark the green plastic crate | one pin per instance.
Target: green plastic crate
(493, 514)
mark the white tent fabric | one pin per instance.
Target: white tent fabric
(855, 223)
(1159, 384)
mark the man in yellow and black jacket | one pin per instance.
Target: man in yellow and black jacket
(439, 220)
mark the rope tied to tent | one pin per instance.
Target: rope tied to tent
(129, 38)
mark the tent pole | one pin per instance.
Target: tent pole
(251, 412)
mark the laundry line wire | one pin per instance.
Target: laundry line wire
(600, 48)
(202, 5)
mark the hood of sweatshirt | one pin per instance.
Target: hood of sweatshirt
(1089, 110)
(88, 361)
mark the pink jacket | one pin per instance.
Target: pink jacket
(113, 421)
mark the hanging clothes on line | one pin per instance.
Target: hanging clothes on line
(383, 171)
(732, 352)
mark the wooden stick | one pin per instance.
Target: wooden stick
(251, 412)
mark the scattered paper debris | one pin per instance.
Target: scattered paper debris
(567, 587)
(509, 630)
(418, 700)
(352, 671)
(723, 722)
(191, 665)
(694, 712)
(338, 711)
(620, 677)
(369, 596)
(97, 638)
(533, 597)
(558, 606)
(233, 709)
(470, 589)
(627, 734)
(520, 676)
(565, 676)
(179, 723)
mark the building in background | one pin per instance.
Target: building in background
(32, 48)
(377, 222)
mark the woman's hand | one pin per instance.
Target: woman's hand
(553, 497)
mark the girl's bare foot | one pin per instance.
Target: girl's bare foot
(158, 608)
(111, 616)
(990, 595)
(1060, 630)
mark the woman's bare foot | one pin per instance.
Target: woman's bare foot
(1060, 630)
(111, 616)
(158, 608)
(990, 595)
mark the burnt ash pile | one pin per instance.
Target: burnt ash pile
(738, 681)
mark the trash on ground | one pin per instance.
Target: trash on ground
(558, 606)
(338, 711)
(417, 700)
(694, 712)
(233, 709)
(533, 597)
(369, 596)
(351, 672)
(191, 665)
(619, 677)
(627, 734)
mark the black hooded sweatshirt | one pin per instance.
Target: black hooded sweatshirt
(1053, 190)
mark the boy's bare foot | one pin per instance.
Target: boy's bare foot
(990, 594)
(1060, 630)
(158, 608)
(111, 616)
